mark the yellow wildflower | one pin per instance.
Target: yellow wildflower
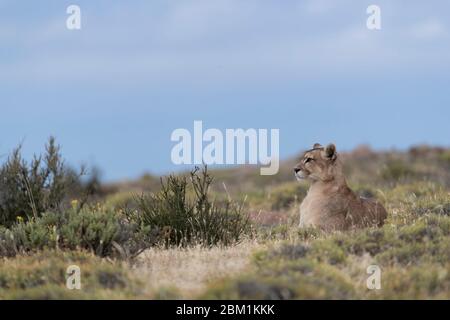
(74, 203)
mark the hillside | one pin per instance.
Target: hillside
(270, 258)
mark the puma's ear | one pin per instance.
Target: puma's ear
(330, 151)
(317, 145)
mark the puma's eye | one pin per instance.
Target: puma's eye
(308, 160)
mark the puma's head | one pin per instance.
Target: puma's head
(319, 164)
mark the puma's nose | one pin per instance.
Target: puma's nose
(296, 170)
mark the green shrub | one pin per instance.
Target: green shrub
(396, 169)
(29, 189)
(99, 230)
(284, 196)
(309, 233)
(445, 156)
(43, 276)
(414, 260)
(300, 279)
(185, 214)
(250, 289)
(424, 282)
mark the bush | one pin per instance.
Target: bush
(284, 196)
(300, 279)
(184, 213)
(414, 261)
(395, 170)
(29, 189)
(44, 274)
(445, 157)
(99, 230)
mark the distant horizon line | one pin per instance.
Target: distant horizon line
(185, 168)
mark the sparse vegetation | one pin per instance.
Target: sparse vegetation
(396, 169)
(99, 230)
(43, 276)
(46, 183)
(188, 239)
(185, 214)
(334, 267)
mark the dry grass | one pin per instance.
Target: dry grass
(190, 270)
(412, 249)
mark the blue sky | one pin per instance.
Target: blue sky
(113, 91)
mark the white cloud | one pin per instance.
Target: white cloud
(213, 41)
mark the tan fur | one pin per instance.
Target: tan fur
(330, 204)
